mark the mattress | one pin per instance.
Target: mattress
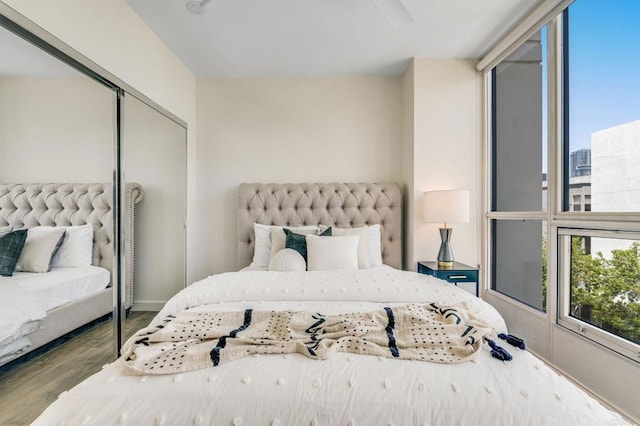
(61, 285)
(345, 389)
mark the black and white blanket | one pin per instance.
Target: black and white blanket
(189, 341)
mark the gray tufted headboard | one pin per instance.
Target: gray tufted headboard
(344, 205)
(25, 205)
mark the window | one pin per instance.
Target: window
(602, 107)
(518, 173)
(592, 172)
(599, 276)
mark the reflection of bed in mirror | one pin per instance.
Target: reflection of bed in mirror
(57, 302)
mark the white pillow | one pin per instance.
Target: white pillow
(324, 253)
(77, 247)
(287, 260)
(374, 247)
(39, 248)
(363, 250)
(5, 230)
(262, 248)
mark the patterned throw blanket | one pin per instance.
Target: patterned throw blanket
(195, 340)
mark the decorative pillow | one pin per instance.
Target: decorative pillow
(278, 238)
(262, 248)
(77, 247)
(41, 245)
(5, 230)
(374, 246)
(298, 242)
(11, 245)
(363, 250)
(287, 260)
(332, 253)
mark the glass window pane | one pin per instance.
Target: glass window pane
(605, 284)
(603, 104)
(519, 260)
(519, 140)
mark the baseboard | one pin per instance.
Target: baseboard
(148, 305)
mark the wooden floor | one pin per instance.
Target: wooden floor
(27, 388)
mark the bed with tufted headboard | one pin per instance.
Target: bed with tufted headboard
(27, 205)
(298, 343)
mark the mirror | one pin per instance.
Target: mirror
(155, 162)
(57, 133)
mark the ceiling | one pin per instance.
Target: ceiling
(246, 38)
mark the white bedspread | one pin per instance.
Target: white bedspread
(26, 297)
(345, 389)
(61, 285)
(20, 313)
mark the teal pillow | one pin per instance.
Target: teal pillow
(11, 246)
(298, 242)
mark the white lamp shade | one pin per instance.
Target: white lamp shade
(446, 206)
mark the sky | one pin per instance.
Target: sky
(604, 67)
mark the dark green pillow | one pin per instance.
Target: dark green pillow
(298, 242)
(11, 246)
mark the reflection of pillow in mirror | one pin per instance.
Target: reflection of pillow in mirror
(324, 253)
(287, 260)
(77, 247)
(41, 245)
(363, 250)
(4, 230)
(11, 245)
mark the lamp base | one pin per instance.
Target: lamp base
(444, 264)
(445, 254)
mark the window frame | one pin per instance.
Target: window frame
(616, 343)
(489, 162)
(560, 221)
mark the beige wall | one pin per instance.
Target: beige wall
(289, 130)
(408, 171)
(446, 152)
(55, 130)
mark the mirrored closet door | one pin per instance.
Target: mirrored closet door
(93, 190)
(154, 162)
(57, 133)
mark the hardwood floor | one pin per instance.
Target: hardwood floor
(28, 387)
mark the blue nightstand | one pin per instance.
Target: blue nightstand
(458, 273)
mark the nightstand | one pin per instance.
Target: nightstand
(459, 273)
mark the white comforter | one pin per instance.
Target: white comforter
(20, 314)
(346, 389)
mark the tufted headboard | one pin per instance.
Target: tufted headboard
(25, 205)
(344, 205)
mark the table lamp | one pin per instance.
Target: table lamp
(448, 207)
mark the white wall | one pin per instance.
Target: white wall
(289, 130)
(55, 130)
(113, 36)
(446, 147)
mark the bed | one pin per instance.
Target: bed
(250, 387)
(37, 308)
